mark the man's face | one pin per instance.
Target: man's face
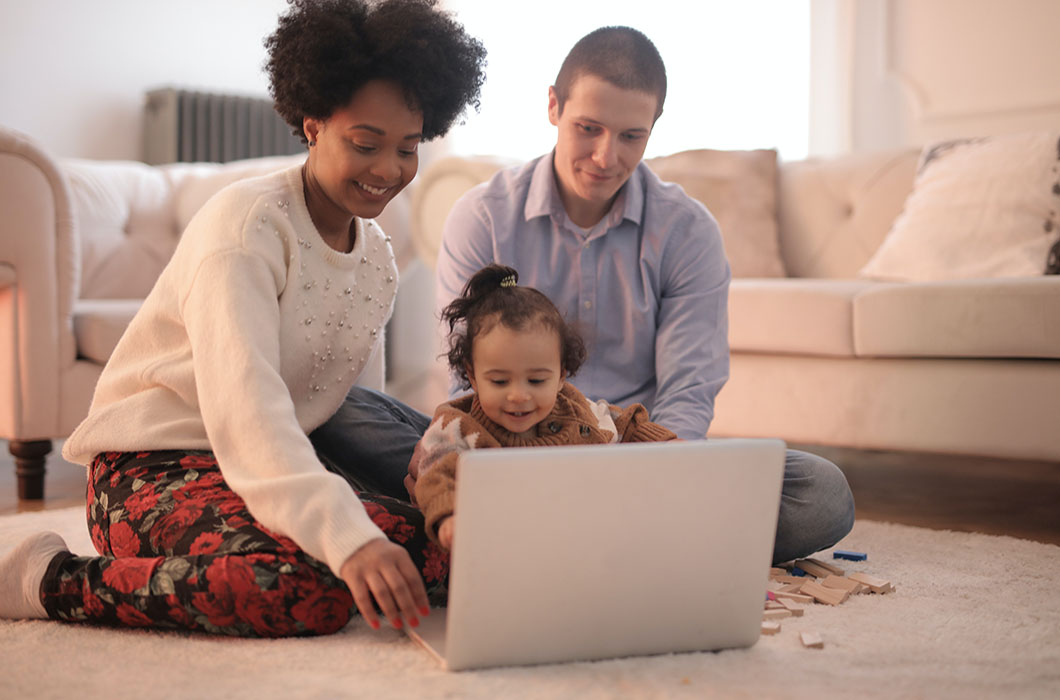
(603, 131)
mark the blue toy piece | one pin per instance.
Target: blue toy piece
(796, 571)
(852, 556)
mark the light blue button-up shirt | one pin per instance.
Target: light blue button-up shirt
(647, 286)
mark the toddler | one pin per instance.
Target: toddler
(512, 347)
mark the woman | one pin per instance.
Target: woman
(206, 499)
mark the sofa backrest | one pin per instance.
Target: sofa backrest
(833, 213)
(129, 216)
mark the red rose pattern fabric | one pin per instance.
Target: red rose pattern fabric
(180, 550)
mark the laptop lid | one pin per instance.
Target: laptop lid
(591, 552)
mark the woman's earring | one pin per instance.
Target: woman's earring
(312, 143)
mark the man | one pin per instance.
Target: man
(638, 264)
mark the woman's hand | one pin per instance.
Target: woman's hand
(384, 572)
(445, 533)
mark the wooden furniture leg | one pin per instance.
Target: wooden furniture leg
(29, 466)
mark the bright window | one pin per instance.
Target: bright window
(738, 73)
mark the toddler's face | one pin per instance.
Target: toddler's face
(517, 375)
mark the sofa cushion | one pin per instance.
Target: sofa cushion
(986, 207)
(740, 190)
(808, 317)
(834, 212)
(1008, 317)
(126, 228)
(99, 325)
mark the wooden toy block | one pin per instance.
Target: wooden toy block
(847, 554)
(773, 605)
(770, 627)
(819, 568)
(811, 640)
(843, 583)
(831, 596)
(775, 614)
(796, 609)
(793, 596)
(876, 585)
(777, 571)
(812, 569)
(787, 578)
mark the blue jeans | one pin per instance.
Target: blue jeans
(370, 440)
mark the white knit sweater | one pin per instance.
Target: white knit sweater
(250, 339)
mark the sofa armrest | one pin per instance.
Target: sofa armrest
(38, 245)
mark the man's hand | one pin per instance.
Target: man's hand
(382, 571)
(445, 533)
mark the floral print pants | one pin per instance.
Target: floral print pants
(180, 550)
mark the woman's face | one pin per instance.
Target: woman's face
(365, 153)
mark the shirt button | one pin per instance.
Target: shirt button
(588, 304)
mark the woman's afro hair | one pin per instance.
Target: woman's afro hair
(323, 51)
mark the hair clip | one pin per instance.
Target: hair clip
(508, 281)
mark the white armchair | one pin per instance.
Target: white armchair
(81, 244)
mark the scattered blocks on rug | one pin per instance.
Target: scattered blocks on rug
(831, 596)
(843, 583)
(798, 583)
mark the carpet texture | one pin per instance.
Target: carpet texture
(974, 616)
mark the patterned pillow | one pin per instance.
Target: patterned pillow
(985, 207)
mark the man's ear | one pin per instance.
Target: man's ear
(553, 106)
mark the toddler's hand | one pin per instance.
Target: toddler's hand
(445, 533)
(414, 471)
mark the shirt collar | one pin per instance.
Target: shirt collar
(543, 196)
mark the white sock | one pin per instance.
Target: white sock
(21, 573)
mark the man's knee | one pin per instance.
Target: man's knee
(817, 506)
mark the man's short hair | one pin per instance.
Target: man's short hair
(622, 56)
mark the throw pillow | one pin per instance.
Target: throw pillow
(985, 207)
(740, 190)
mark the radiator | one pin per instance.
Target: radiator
(190, 126)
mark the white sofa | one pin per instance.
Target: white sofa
(818, 356)
(821, 356)
(81, 244)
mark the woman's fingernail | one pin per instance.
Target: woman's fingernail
(397, 624)
(413, 622)
(374, 624)
(425, 611)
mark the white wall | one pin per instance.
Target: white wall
(73, 74)
(907, 72)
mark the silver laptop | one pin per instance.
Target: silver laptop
(592, 552)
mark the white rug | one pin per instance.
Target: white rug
(974, 616)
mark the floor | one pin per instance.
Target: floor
(970, 494)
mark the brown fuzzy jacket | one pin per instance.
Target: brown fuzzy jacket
(461, 425)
